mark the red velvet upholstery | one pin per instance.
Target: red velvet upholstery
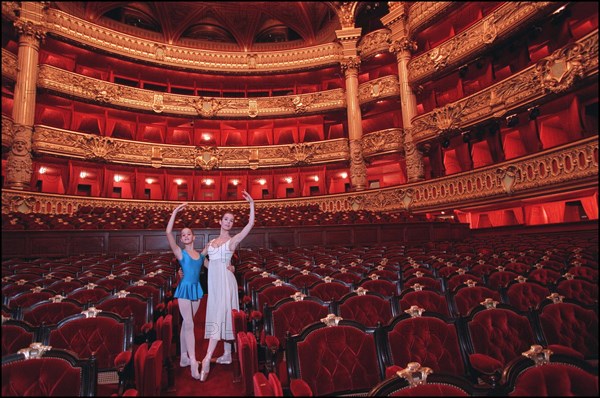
(578, 289)
(544, 276)
(16, 335)
(28, 298)
(270, 294)
(149, 368)
(148, 290)
(334, 359)
(466, 298)
(49, 313)
(133, 305)
(107, 337)
(114, 284)
(328, 291)
(428, 339)
(500, 279)
(563, 376)
(526, 296)
(10, 290)
(570, 325)
(348, 277)
(164, 332)
(429, 282)
(382, 286)
(289, 317)
(428, 299)
(89, 296)
(266, 387)
(496, 336)
(248, 357)
(303, 281)
(436, 385)
(58, 373)
(455, 281)
(257, 282)
(65, 287)
(370, 309)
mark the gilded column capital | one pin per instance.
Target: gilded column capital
(350, 63)
(30, 29)
(403, 44)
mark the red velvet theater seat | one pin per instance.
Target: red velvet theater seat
(49, 312)
(288, 317)
(429, 299)
(424, 337)
(422, 381)
(48, 373)
(561, 376)
(496, 334)
(18, 334)
(333, 360)
(567, 327)
(466, 298)
(371, 309)
(104, 335)
(132, 305)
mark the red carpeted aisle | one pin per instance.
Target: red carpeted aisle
(220, 379)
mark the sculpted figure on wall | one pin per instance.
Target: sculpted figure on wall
(19, 164)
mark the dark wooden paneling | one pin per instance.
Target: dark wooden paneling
(57, 246)
(160, 243)
(13, 246)
(67, 243)
(340, 237)
(395, 233)
(87, 243)
(366, 235)
(124, 244)
(282, 239)
(311, 237)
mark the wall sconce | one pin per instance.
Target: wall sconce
(149, 181)
(344, 175)
(235, 182)
(83, 174)
(446, 143)
(43, 170)
(262, 181)
(118, 178)
(208, 181)
(179, 181)
(288, 180)
(534, 112)
(512, 120)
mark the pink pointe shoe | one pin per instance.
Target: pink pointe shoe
(205, 369)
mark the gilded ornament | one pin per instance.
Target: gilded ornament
(207, 158)
(559, 71)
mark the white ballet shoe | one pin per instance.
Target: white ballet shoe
(224, 359)
(184, 361)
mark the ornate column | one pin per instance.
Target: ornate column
(402, 46)
(350, 65)
(30, 26)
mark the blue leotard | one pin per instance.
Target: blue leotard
(189, 287)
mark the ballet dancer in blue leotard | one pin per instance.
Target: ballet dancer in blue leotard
(188, 292)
